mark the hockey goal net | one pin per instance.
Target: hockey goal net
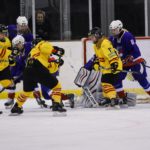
(144, 45)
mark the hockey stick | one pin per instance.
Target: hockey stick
(126, 71)
(146, 66)
(4, 88)
(90, 96)
(42, 103)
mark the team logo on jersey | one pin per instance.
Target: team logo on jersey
(132, 41)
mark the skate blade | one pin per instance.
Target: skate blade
(123, 106)
(59, 114)
(116, 107)
(8, 107)
(14, 114)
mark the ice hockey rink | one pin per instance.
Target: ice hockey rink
(81, 129)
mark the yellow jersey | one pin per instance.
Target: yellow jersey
(53, 67)
(4, 53)
(4, 58)
(42, 52)
(106, 55)
(6, 44)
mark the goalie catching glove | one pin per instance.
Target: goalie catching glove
(58, 51)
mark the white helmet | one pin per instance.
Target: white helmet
(18, 39)
(116, 25)
(22, 20)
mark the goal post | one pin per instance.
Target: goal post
(144, 46)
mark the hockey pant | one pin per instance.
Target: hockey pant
(108, 90)
(141, 78)
(5, 83)
(56, 95)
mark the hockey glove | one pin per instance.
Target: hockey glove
(60, 62)
(96, 64)
(12, 60)
(15, 52)
(128, 61)
(114, 67)
(30, 62)
(58, 51)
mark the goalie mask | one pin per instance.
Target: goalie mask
(96, 31)
(95, 34)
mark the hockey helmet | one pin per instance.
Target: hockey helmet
(96, 31)
(18, 39)
(22, 20)
(115, 27)
(3, 29)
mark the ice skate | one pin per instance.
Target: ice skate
(58, 110)
(9, 104)
(114, 105)
(105, 102)
(123, 103)
(71, 100)
(15, 111)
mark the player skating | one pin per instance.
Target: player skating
(37, 66)
(7, 59)
(130, 55)
(21, 29)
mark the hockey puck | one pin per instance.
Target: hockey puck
(1, 112)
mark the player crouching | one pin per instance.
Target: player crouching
(110, 64)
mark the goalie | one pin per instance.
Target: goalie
(107, 57)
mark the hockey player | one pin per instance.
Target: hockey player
(54, 66)
(4, 44)
(7, 58)
(37, 66)
(21, 29)
(109, 62)
(5, 54)
(130, 55)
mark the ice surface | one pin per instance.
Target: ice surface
(82, 129)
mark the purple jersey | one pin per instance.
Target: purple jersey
(12, 31)
(126, 45)
(21, 61)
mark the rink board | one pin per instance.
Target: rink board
(74, 60)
